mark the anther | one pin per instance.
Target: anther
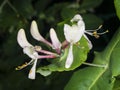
(37, 48)
(24, 65)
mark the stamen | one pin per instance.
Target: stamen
(103, 32)
(97, 35)
(37, 48)
(78, 45)
(97, 28)
(24, 65)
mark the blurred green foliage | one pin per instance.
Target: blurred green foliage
(16, 14)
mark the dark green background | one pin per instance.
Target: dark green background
(16, 14)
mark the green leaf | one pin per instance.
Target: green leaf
(80, 52)
(90, 78)
(115, 56)
(117, 7)
(68, 13)
(24, 8)
(96, 78)
(92, 21)
(8, 20)
(117, 84)
(44, 72)
(87, 4)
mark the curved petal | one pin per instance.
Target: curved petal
(34, 31)
(36, 35)
(69, 60)
(33, 71)
(67, 32)
(74, 33)
(55, 41)
(76, 18)
(21, 38)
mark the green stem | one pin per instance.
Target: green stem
(2, 5)
(95, 65)
(14, 9)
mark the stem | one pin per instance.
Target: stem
(14, 9)
(95, 65)
(2, 5)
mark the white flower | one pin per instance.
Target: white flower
(28, 49)
(32, 52)
(73, 34)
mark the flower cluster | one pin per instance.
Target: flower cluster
(33, 51)
(73, 34)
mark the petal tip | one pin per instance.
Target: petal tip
(55, 41)
(67, 66)
(35, 32)
(21, 39)
(77, 17)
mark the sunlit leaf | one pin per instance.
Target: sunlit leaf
(80, 52)
(117, 7)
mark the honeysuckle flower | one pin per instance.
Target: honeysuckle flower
(36, 35)
(29, 50)
(32, 52)
(74, 33)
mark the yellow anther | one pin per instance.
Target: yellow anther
(38, 48)
(94, 33)
(107, 31)
(22, 66)
(96, 36)
(78, 43)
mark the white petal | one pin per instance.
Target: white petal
(67, 32)
(30, 52)
(69, 60)
(77, 17)
(33, 71)
(81, 25)
(36, 35)
(73, 33)
(21, 38)
(55, 42)
(34, 31)
(89, 42)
